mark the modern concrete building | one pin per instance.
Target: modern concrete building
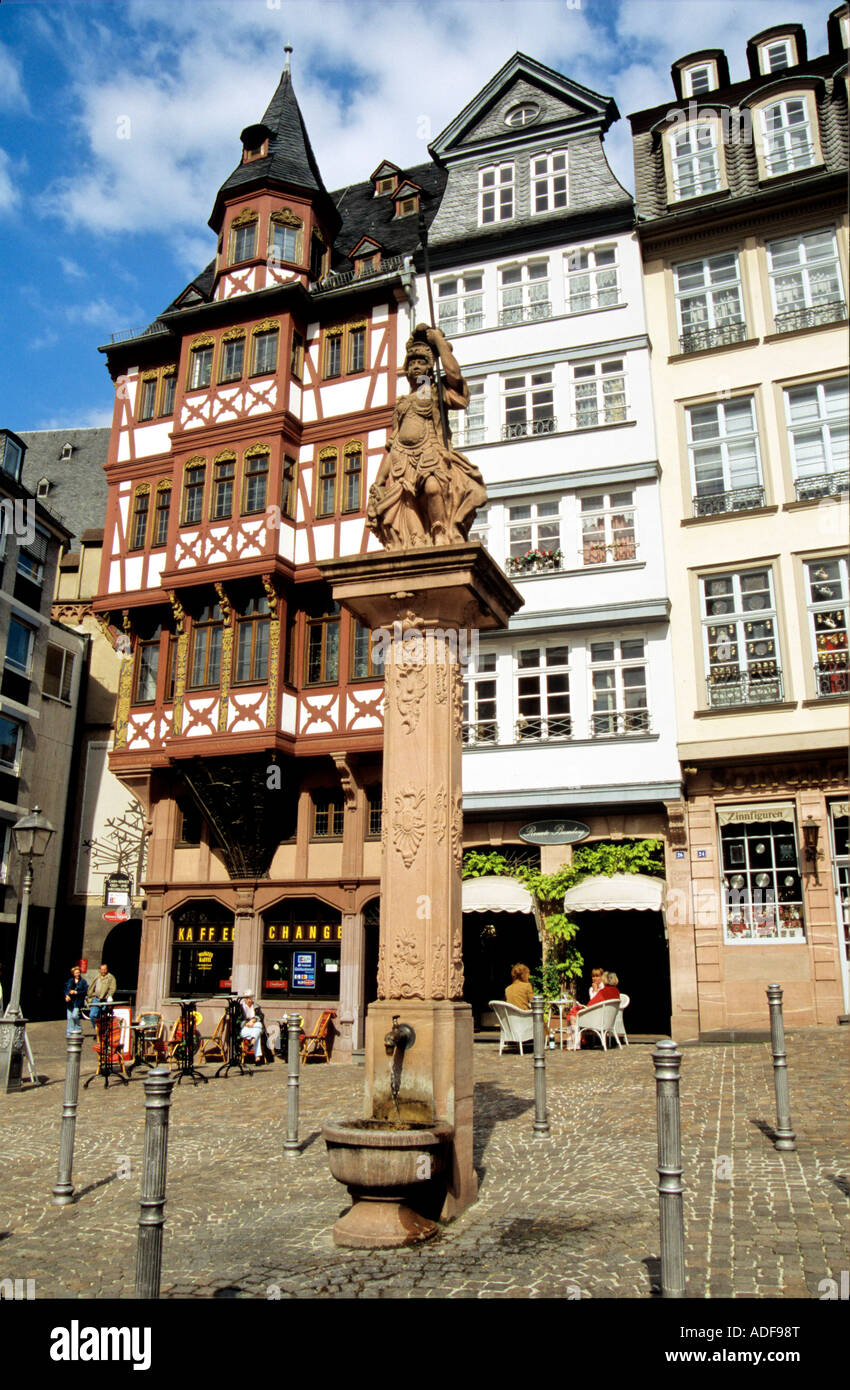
(742, 219)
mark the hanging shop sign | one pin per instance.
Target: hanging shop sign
(554, 832)
(116, 914)
(117, 890)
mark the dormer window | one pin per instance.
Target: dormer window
(787, 136)
(42, 487)
(386, 185)
(702, 77)
(406, 198)
(844, 24)
(366, 256)
(256, 152)
(522, 115)
(67, 451)
(694, 159)
(777, 54)
(11, 455)
(385, 179)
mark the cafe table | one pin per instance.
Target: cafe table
(559, 1004)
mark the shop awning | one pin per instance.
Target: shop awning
(496, 893)
(617, 893)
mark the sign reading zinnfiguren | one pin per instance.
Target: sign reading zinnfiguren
(554, 832)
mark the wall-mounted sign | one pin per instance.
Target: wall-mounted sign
(214, 934)
(116, 914)
(554, 832)
(702, 853)
(117, 890)
(275, 932)
(304, 970)
(680, 853)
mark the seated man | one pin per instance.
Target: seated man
(100, 993)
(252, 1028)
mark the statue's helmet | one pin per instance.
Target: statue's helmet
(418, 349)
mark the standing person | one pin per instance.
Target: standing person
(519, 991)
(101, 992)
(252, 1028)
(76, 989)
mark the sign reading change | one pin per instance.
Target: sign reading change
(554, 832)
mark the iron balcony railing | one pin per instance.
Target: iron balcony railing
(745, 688)
(822, 485)
(126, 335)
(829, 311)
(555, 726)
(525, 313)
(614, 723)
(697, 339)
(523, 429)
(832, 676)
(740, 499)
(484, 731)
(335, 278)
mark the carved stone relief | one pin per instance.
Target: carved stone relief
(408, 823)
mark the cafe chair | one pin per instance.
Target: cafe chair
(176, 1047)
(599, 1019)
(619, 1026)
(108, 1048)
(315, 1044)
(214, 1049)
(152, 1041)
(515, 1025)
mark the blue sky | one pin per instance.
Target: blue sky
(119, 119)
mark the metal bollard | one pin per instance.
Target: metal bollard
(784, 1137)
(541, 1123)
(293, 1043)
(63, 1191)
(158, 1086)
(667, 1059)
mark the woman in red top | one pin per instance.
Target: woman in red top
(609, 988)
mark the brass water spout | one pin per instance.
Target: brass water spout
(401, 1036)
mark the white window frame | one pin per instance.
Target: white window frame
(688, 74)
(623, 720)
(829, 426)
(466, 301)
(782, 152)
(753, 919)
(594, 274)
(606, 371)
(717, 278)
(699, 180)
(725, 443)
(803, 268)
(5, 849)
(789, 47)
(470, 426)
(503, 181)
(608, 541)
(36, 551)
(829, 623)
(526, 297)
(197, 355)
(549, 177)
(14, 766)
(481, 670)
(545, 724)
(538, 413)
(544, 515)
(66, 674)
(737, 671)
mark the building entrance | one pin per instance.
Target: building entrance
(492, 943)
(632, 944)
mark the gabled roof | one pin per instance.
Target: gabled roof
(405, 189)
(290, 161)
(364, 215)
(366, 246)
(384, 169)
(585, 108)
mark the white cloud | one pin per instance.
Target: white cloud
(9, 194)
(13, 96)
(92, 417)
(71, 269)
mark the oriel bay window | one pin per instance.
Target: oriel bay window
(288, 489)
(200, 365)
(301, 950)
(207, 631)
(326, 482)
(232, 358)
(618, 687)
(543, 693)
(607, 527)
(296, 359)
(818, 437)
(148, 644)
(352, 475)
(243, 236)
(323, 646)
(724, 454)
(264, 350)
(252, 640)
(202, 949)
(147, 396)
(827, 600)
(194, 478)
(285, 238)
(169, 390)
(762, 888)
(740, 639)
(367, 660)
(224, 473)
(256, 468)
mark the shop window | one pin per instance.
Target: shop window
(202, 950)
(762, 888)
(301, 951)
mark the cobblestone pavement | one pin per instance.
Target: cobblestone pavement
(572, 1215)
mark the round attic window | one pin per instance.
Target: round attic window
(522, 114)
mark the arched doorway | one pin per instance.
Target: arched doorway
(121, 951)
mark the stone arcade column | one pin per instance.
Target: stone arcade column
(429, 601)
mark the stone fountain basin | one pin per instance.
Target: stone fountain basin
(373, 1154)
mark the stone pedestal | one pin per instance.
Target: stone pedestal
(425, 607)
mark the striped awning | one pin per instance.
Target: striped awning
(616, 893)
(496, 893)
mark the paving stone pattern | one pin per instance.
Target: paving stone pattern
(571, 1215)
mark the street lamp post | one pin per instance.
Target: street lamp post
(32, 835)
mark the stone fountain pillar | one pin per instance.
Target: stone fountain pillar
(427, 603)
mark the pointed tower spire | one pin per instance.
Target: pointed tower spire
(289, 163)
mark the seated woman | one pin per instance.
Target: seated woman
(603, 988)
(609, 988)
(519, 991)
(252, 1028)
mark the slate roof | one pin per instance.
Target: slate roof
(78, 488)
(365, 215)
